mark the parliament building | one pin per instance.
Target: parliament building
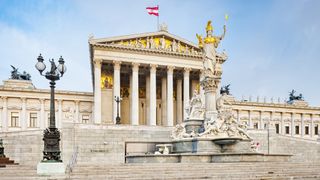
(155, 75)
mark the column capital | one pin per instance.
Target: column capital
(186, 71)
(116, 65)
(170, 69)
(135, 66)
(153, 67)
(97, 62)
(77, 101)
(42, 100)
(23, 99)
(59, 100)
(4, 97)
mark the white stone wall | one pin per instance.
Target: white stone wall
(303, 150)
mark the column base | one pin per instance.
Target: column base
(51, 168)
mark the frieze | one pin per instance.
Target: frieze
(159, 43)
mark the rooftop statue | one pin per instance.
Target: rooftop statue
(293, 97)
(15, 74)
(225, 89)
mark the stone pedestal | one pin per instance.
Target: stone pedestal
(20, 84)
(210, 145)
(51, 168)
(299, 103)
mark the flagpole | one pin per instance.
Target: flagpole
(158, 19)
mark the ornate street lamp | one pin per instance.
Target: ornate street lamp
(118, 100)
(51, 136)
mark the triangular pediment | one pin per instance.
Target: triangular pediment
(158, 41)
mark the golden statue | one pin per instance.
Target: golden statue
(200, 40)
(209, 27)
(215, 40)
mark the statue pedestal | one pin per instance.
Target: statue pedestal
(193, 125)
(20, 84)
(51, 168)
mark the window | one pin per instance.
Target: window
(287, 129)
(316, 129)
(306, 130)
(255, 125)
(297, 129)
(265, 126)
(33, 119)
(85, 119)
(14, 119)
(277, 128)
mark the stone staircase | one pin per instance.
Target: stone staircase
(233, 171)
(199, 171)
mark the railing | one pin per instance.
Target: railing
(73, 160)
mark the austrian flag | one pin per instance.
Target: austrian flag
(153, 10)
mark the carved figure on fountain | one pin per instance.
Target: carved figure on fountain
(179, 132)
(195, 109)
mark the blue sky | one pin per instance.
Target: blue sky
(273, 46)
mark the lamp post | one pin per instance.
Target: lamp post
(118, 100)
(51, 136)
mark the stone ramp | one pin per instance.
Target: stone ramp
(228, 171)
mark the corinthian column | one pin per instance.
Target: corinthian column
(170, 96)
(116, 88)
(163, 100)
(153, 96)
(186, 95)
(97, 91)
(210, 87)
(135, 94)
(179, 101)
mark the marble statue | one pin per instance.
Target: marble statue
(174, 46)
(179, 132)
(179, 47)
(195, 109)
(148, 43)
(152, 43)
(162, 43)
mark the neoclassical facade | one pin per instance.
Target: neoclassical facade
(23, 107)
(155, 74)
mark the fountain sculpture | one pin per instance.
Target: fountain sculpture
(210, 126)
